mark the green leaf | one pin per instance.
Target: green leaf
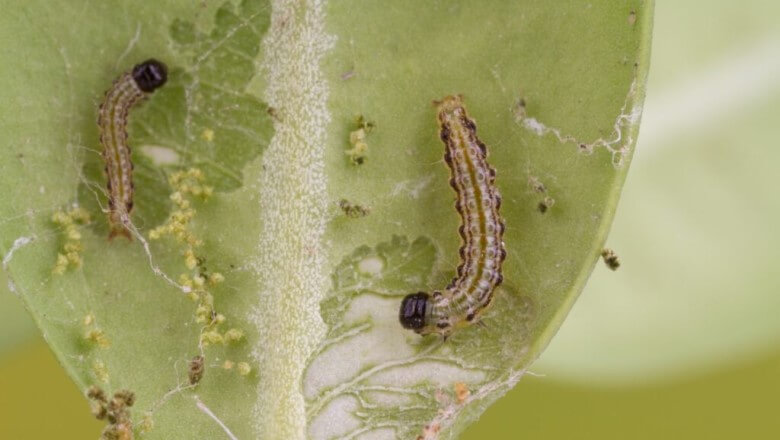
(697, 290)
(262, 99)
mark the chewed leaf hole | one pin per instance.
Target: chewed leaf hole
(372, 265)
(159, 155)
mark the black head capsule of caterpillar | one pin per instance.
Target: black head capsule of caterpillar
(150, 75)
(413, 311)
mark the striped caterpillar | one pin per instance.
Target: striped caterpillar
(127, 90)
(482, 251)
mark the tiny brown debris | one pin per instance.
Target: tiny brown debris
(519, 109)
(585, 148)
(96, 393)
(97, 336)
(610, 259)
(118, 431)
(196, 369)
(461, 392)
(124, 398)
(357, 139)
(116, 411)
(353, 210)
(545, 204)
(632, 18)
(274, 114)
(536, 185)
(429, 431)
(539, 188)
(93, 333)
(99, 411)
(98, 407)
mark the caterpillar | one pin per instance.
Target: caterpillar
(127, 90)
(482, 251)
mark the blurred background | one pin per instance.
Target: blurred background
(683, 340)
